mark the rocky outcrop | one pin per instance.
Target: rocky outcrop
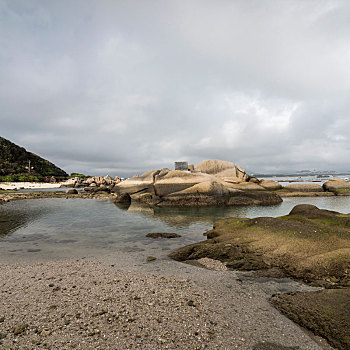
(177, 180)
(270, 185)
(204, 193)
(142, 183)
(304, 188)
(212, 183)
(222, 168)
(72, 182)
(338, 186)
(94, 184)
(94, 188)
(311, 249)
(245, 186)
(212, 193)
(311, 211)
(102, 180)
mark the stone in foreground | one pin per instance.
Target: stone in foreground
(309, 244)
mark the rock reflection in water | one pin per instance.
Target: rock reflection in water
(183, 217)
(178, 217)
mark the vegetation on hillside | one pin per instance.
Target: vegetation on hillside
(80, 176)
(15, 162)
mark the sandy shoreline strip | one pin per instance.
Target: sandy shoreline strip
(27, 185)
(94, 305)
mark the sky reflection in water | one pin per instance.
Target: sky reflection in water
(74, 227)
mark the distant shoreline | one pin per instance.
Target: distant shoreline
(27, 185)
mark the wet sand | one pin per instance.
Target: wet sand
(122, 302)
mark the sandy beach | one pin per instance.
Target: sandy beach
(27, 185)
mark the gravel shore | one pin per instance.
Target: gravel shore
(86, 305)
(94, 305)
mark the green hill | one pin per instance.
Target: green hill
(15, 160)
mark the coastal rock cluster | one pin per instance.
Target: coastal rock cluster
(333, 187)
(93, 184)
(212, 182)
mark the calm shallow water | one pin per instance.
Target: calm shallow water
(47, 229)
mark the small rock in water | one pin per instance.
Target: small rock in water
(163, 235)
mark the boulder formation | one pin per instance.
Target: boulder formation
(212, 182)
(72, 182)
(338, 186)
(93, 184)
(222, 169)
(177, 180)
(304, 188)
(270, 185)
(142, 183)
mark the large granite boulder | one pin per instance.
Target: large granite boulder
(206, 188)
(107, 180)
(177, 180)
(72, 182)
(213, 182)
(100, 180)
(270, 185)
(221, 168)
(338, 186)
(303, 188)
(211, 193)
(244, 186)
(93, 188)
(206, 193)
(90, 180)
(144, 182)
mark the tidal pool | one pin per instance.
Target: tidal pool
(50, 229)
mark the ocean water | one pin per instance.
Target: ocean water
(50, 229)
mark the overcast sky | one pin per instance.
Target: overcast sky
(120, 87)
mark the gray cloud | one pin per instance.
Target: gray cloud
(120, 87)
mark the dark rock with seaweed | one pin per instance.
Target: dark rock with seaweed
(310, 245)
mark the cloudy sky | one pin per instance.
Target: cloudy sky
(120, 87)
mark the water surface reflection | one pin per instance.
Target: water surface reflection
(59, 228)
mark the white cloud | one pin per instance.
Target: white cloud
(133, 85)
